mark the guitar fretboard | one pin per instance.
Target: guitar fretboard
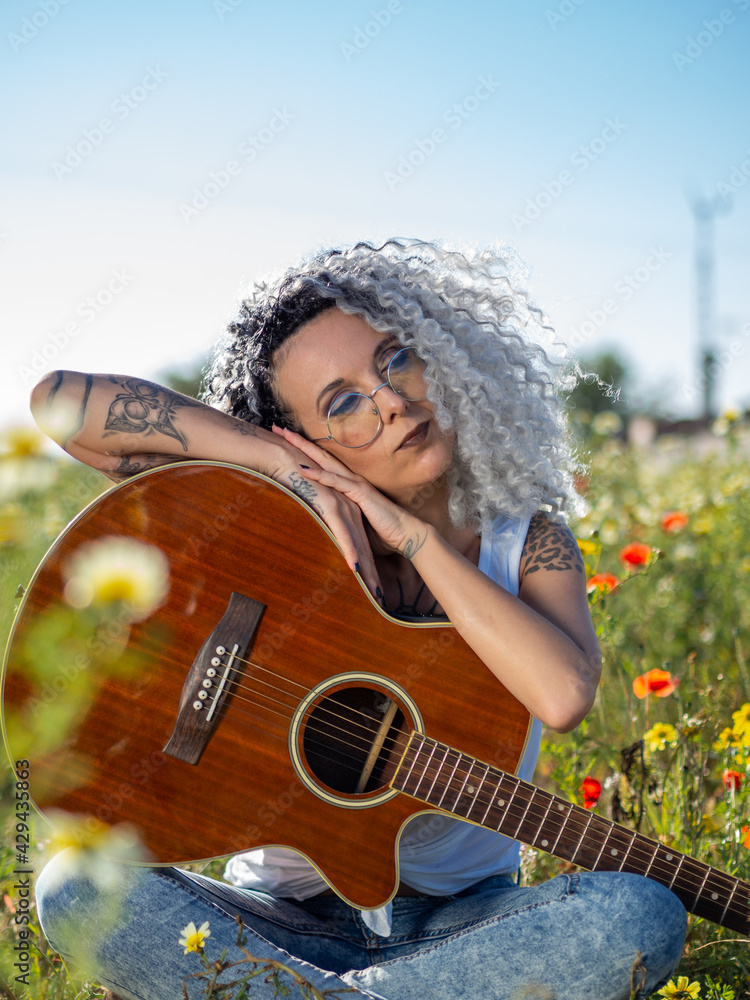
(443, 777)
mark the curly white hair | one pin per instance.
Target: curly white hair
(488, 375)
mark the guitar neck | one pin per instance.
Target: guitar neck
(435, 773)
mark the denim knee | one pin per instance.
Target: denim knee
(75, 905)
(648, 915)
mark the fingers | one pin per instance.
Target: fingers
(319, 455)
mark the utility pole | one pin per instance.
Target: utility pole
(704, 210)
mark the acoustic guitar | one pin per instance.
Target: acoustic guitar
(275, 703)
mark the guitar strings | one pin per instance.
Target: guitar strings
(636, 850)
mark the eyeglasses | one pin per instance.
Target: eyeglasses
(354, 418)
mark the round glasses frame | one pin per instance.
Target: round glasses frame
(404, 352)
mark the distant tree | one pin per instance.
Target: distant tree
(606, 384)
(187, 380)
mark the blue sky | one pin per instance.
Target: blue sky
(578, 132)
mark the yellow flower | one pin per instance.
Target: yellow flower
(684, 990)
(118, 569)
(21, 442)
(727, 738)
(660, 736)
(193, 939)
(741, 719)
(589, 546)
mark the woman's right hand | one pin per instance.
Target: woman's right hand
(342, 516)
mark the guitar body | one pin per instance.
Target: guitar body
(316, 711)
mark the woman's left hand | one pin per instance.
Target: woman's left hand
(395, 527)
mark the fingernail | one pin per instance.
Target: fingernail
(356, 567)
(378, 592)
(305, 467)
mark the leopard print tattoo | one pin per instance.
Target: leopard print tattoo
(550, 545)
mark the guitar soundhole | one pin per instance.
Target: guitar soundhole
(352, 739)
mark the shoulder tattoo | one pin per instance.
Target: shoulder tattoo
(549, 546)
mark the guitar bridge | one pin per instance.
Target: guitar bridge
(210, 680)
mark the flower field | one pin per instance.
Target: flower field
(666, 749)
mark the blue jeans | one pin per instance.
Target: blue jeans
(598, 936)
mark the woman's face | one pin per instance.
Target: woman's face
(336, 353)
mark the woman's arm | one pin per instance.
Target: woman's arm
(542, 644)
(121, 425)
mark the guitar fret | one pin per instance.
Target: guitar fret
(465, 782)
(525, 812)
(424, 771)
(630, 847)
(601, 851)
(705, 879)
(653, 858)
(493, 801)
(438, 768)
(450, 780)
(561, 807)
(508, 804)
(581, 838)
(545, 843)
(471, 789)
(479, 787)
(729, 898)
(411, 768)
(676, 871)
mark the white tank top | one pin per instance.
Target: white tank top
(438, 855)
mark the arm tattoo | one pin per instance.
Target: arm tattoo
(550, 545)
(406, 610)
(81, 412)
(306, 491)
(145, 408)
(244, 428)
(412, 546)
(129, 467)
(55, 387)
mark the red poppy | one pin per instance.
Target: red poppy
(635, 554)
(674, 520)
(591, 790)
(732, 780)
(746, 832)
(602, 581)
(656, 681)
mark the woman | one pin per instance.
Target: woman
(398, 392)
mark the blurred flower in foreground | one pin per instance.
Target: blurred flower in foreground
(674, 520)
(21, 442)
(660, 736)
(636, 554)
(603, 582)
(732, 780)
(682, 990)
(746, 835)
(591, 790)
(194, 938)
(656, 681)
(117, 569)
(91, 844)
